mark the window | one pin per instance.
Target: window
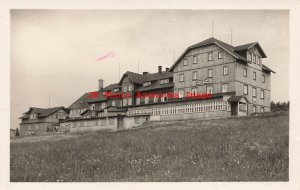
(245, 72)
(263, 78)
(262, 109)
(138, 101)
(136, 120)
(254, 92)
(146, 100)
(155, 99)
(181, 77)
(164, 81)
(194, 59)
(245, 89)
(194, 92)
(56, 116)
(252, 58)
(254, 109)
(129, 101)
(115, 90)
(225, 70)
(210, 56)
(113, 103)
(262, 94)
(181, 93)
(93, 106)
(147, 84)
(224, 87)
(164, 98)
(129, 88)
(220, 54)
(124, 102)
(209, 89)
(185, 62)
(125, 89)
(103, 122)
(242, 106)
(254, 75)
(111, 121)
(195, 75)
(258, 60)
(103, 105)
(210, 73)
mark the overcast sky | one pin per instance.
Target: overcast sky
(54, 52)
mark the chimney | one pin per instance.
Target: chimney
(145, 73)
(100, 82)
(167, 69)
(159, 69)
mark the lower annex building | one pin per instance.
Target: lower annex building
(209, 79)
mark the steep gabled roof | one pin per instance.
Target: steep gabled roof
(159, 76)
(43, 112)
(111, 87)
(226, 47)
(80, 102)
(250, 45)
(134, 77)
(265, 68)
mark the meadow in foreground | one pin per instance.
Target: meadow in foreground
(233, 149)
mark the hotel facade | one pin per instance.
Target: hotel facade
(210, 79)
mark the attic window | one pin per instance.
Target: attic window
(164, 81)
(147, 84)
(185, 62)
(210, 56)
(220, 54)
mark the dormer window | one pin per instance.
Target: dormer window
(129, 88)
(147, 84)
(93, 106)
(164, 81)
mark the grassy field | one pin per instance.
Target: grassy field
(233, 149)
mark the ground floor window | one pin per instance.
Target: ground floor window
(242, 107)
(136, 120)
(254, 109)
(262, 109)
(111, 121)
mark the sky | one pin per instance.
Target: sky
(58, 55)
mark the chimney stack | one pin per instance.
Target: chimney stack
(145, 73)
(100, 83)
(167, 69)
(159, 69)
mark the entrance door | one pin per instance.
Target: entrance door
(234, 108)
(120, 120)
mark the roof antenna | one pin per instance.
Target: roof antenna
(212, 28)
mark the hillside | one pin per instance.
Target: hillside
(232, 149)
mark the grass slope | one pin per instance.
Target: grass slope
(233, 149)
